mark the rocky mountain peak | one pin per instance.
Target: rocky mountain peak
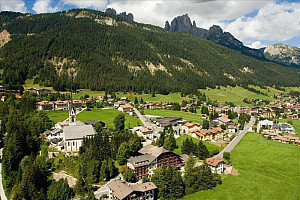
(283, 53)
(215, 34)
(124, 15)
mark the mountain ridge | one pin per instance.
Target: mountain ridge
(215, 34)
(124, 56)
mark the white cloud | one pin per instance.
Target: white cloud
(256, 45)
(205, 14)
(44, 6)
(13, 5)
(276, 22)
(96, 4)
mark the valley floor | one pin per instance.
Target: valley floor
(267, 170)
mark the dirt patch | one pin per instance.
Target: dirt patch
(4, 38)
(234, 172)
(62, 174)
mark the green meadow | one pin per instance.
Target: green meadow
(107, 116)
(172, 113)
(235, 95)
(58, 115)
(210, 146)
(267, 170)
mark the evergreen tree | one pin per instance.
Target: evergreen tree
(129, 176)
(119, 122)
(135, 143)
(205, 124)
(123, 153)
(59, 190)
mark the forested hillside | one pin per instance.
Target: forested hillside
(106, 52)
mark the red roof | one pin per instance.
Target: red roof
(214, 161)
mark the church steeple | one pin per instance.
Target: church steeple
(72, 110)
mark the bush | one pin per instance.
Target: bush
(226, 156)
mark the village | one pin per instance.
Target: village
(222, 125)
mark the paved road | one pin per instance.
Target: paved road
(2, 194)
(146, 122)
(236, 139)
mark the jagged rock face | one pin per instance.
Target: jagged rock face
(128, 17)
(183, 24)
(215, 34)
(124, 15)
(283, 53)
(111, 11)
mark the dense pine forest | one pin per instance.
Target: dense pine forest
(122, 56)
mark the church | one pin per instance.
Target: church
(75, 132)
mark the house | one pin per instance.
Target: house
(99, 98)
(222, 120)
(43, 91)
(61, 105)
(126, 108)
(187, 127)
(77, 103)
(210, 134)
(232, 128)
(146, 133)
(150, 158)
(125, 99)
(118, 104)
(216, 165)
(269, 134)
(45, 105)
(120, 190)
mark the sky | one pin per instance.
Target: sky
(256, 23)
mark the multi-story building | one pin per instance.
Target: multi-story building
(119, 190)
(150, 158)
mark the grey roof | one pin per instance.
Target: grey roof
(153, 150)
(78, 130)
(121, 189)
(141, 160)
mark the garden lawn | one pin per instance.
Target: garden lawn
(268, 170)
(107, 116)
(173, 113)
(210, 146)
(58, 115)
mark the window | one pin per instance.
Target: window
(68, 143)
(73, 143)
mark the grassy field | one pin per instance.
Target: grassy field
(107, 116)
(268, 170)
(58, 115)
(29, 84)
(210, 146)
(234, 95)
(172, 113)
